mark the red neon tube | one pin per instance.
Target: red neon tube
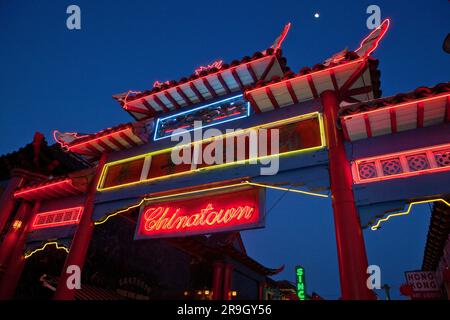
(27, 191)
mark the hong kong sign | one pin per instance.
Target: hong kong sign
(424, 285)
(422, 281)
(236, 210)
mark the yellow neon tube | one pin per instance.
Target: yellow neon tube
(243, 183)
(44, 246)
(287, 189)
(213, 167)
(404, 213)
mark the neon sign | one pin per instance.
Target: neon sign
(65, 138)
(42, 248)
(57, 218)
(303, 133)
(402, 164)
(193, 192)
(212, 114)
(370, 43)
(301, 286)
(231, 211)
(45, 187)
(405, 213)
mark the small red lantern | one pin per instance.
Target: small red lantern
(406, 290)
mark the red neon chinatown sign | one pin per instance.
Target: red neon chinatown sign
(237, 210)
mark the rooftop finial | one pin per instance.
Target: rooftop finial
(279, 40)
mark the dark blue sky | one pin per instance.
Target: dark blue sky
(53, 78)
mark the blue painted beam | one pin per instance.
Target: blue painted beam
(47, 234)
(106, 208)
(315, 179)
(369, 214)
(402, 141)
(415, 187)
(290, 162)
(376, 199)
(61, 203)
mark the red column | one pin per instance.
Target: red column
(16, 262)
(262, 285)
(81, 239)
(217, 280)
(7, 199)
(446, 281)
(227, 276)
(11, 238)
(447, 289)
(350, 243)
(12, 275)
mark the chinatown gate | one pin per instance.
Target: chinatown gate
(376, 156)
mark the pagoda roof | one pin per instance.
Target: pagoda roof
(201, 245)
(120, 137)
(356, 77)
(264, 78)
(353, 74)
(207, 83)
(40, 158)
(285, 285)
(57, 187)
(422, 107)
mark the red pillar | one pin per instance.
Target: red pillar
(227, 276)
(262, 285)
(350, 242)
(81, 239)
(217, 280)
(16, 262)
(447, 289)
(446, 281)
(12, 275)
(7, 199)
(11, 238)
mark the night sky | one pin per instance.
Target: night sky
(54, 78)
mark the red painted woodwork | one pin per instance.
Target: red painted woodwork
(7, 198)
(227, 279)
(217, 280)
(16, 262)
(81, 239)
(350, 243)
